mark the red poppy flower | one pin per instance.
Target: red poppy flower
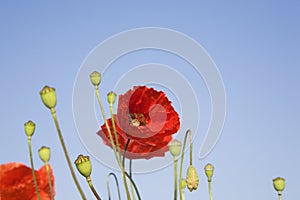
(147, 118)
(17, 182)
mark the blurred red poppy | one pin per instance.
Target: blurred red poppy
(17, 182)
(147, 118)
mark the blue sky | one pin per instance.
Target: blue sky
(255, 45)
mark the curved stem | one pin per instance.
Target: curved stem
(134, 185)
(49, 180)
(124, 153)
(88, 179)
(175, 177)
(117, 183)
(32, 168)
(130, 170)
(182, 157)
(53, 112)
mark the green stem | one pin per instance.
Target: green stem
(280, 196)
(117, 183)
(130, 174)
(112, 142)
(49, 180)
(115, 130)
(32, 168)
(182, 157)
(175, 177)
(88, 179)
(130, 170)
(106, 124)
(134, 185)
(210, 190)
(53, 112)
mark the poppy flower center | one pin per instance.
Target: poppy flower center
(137, 119)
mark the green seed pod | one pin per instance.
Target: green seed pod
(209, 171)
(192, 179)
(48, 97)
(29, 128)
(95, 78)
(84, 165)
(174, 147)
(279, 184)
(44, 153)
(111, 97)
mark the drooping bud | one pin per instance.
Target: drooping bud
(192, 179)
(29, 128)
(111, 97)
(279, 184)
(48, 97)
(95, 78)
(84, 165)
(209, 171)
(174, 147)
(44, 153)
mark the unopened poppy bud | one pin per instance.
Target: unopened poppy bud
(182, 184)
(192, 179)
(84, 165)
(175, 147)
(44, 153)
(209, 171)
(279, 184)
(111, 97)
(29, 128)
(95, 78)
(48, 97)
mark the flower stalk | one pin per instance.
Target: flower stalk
(279, 185)
(32, 168)
(209, 170)
(29, 128)
(97, 76)
(175, 148)
(192, 179)
(48, 97)
(84, 166)
(44, 153)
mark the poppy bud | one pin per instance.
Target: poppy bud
(111, 97)
(44, 153)
(279, 184)
(84, 165)
(192, 179)
(29, 128)
(48, 97)
(175, 147)
(182, 184)
(209, 171)
(95, 78)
